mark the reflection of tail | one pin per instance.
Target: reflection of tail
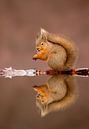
(69, 98)
(83, 72)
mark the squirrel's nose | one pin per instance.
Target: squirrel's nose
(38, 49)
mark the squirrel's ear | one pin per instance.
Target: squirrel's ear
(43, 34)
(43, 31)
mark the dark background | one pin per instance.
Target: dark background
(20, 20)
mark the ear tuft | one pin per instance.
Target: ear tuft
(43, 31)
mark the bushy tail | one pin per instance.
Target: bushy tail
(68, 45)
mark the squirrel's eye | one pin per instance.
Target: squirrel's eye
(42, 43)
(38, 95)
(42, 101)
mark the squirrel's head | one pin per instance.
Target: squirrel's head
(42, 93)
(42, 98)
(42, 45)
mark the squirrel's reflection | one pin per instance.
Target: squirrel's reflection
(58, 93)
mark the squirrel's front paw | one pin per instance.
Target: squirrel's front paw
(34, 58)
